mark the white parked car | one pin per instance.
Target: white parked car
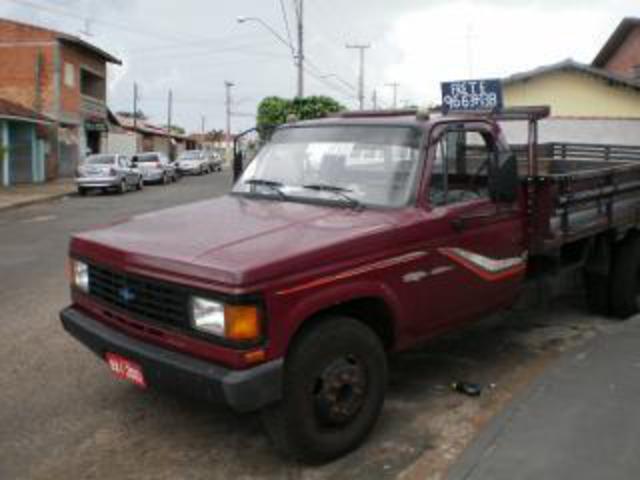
(194, 162)
(155, 167)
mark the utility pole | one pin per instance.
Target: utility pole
(361, 48)
(300, 55)
(227, 86)
(202, 125)
(169, 112)
(374, 99)
(135, 106)
(395, 86)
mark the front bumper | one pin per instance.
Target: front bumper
(97, 182)
(242, 390)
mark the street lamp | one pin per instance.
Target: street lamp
(298, 57)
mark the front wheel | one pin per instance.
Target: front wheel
(334, 386)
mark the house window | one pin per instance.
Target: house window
(69, 75)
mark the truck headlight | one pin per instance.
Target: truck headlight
(79, 275)
(233, 322)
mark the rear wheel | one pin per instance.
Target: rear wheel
(624, 277)
(82, 191)
(597, 291)
(123, 186)
(334, 385)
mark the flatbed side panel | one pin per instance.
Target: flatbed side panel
(587, 198)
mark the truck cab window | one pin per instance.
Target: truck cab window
(462, 163)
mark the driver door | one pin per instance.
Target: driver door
(477, 252)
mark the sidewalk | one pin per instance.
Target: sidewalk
(21, 195)
(579, 420)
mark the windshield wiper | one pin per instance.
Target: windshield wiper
(338, 191)
(270, 184)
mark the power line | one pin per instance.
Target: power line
(320, 72)
(64, 12)
(286, 21)
(330, 85)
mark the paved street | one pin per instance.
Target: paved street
(62, 414)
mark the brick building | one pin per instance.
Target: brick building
(621, 53)
(62, 77)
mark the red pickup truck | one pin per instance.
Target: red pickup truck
(346, 239)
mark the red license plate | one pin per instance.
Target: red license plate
(126, 369)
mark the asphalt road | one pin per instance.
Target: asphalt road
(63, 415)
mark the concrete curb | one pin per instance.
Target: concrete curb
(34, 201)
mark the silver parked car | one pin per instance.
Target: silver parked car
(215, 160)
(155, 167)
(107, 171)
(195, 162)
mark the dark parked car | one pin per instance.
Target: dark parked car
(107, 171)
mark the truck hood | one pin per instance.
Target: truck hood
(234, 240)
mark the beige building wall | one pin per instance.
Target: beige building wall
(575, 94)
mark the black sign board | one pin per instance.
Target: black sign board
(472, 95)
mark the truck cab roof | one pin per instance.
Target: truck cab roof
(423, 119)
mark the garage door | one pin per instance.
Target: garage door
(20, 139)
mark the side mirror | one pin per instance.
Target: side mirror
(504, 182)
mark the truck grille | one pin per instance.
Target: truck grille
(142, 297)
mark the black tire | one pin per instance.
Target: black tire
(123, 186)
(334, 386)
(624, 277)
(140, 184)
(82, 191)
(598, 293)
(165, 179)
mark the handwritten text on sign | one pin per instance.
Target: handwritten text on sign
(472, 95)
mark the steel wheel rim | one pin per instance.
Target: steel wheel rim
(339, 391)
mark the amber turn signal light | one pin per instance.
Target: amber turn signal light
(242, 322)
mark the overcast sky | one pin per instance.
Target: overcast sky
(193, 46)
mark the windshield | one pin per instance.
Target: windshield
(100, 160)
(146, 158)
(371, 165)
(191, 155)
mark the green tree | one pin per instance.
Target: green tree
(274, 111)
(176, 129)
